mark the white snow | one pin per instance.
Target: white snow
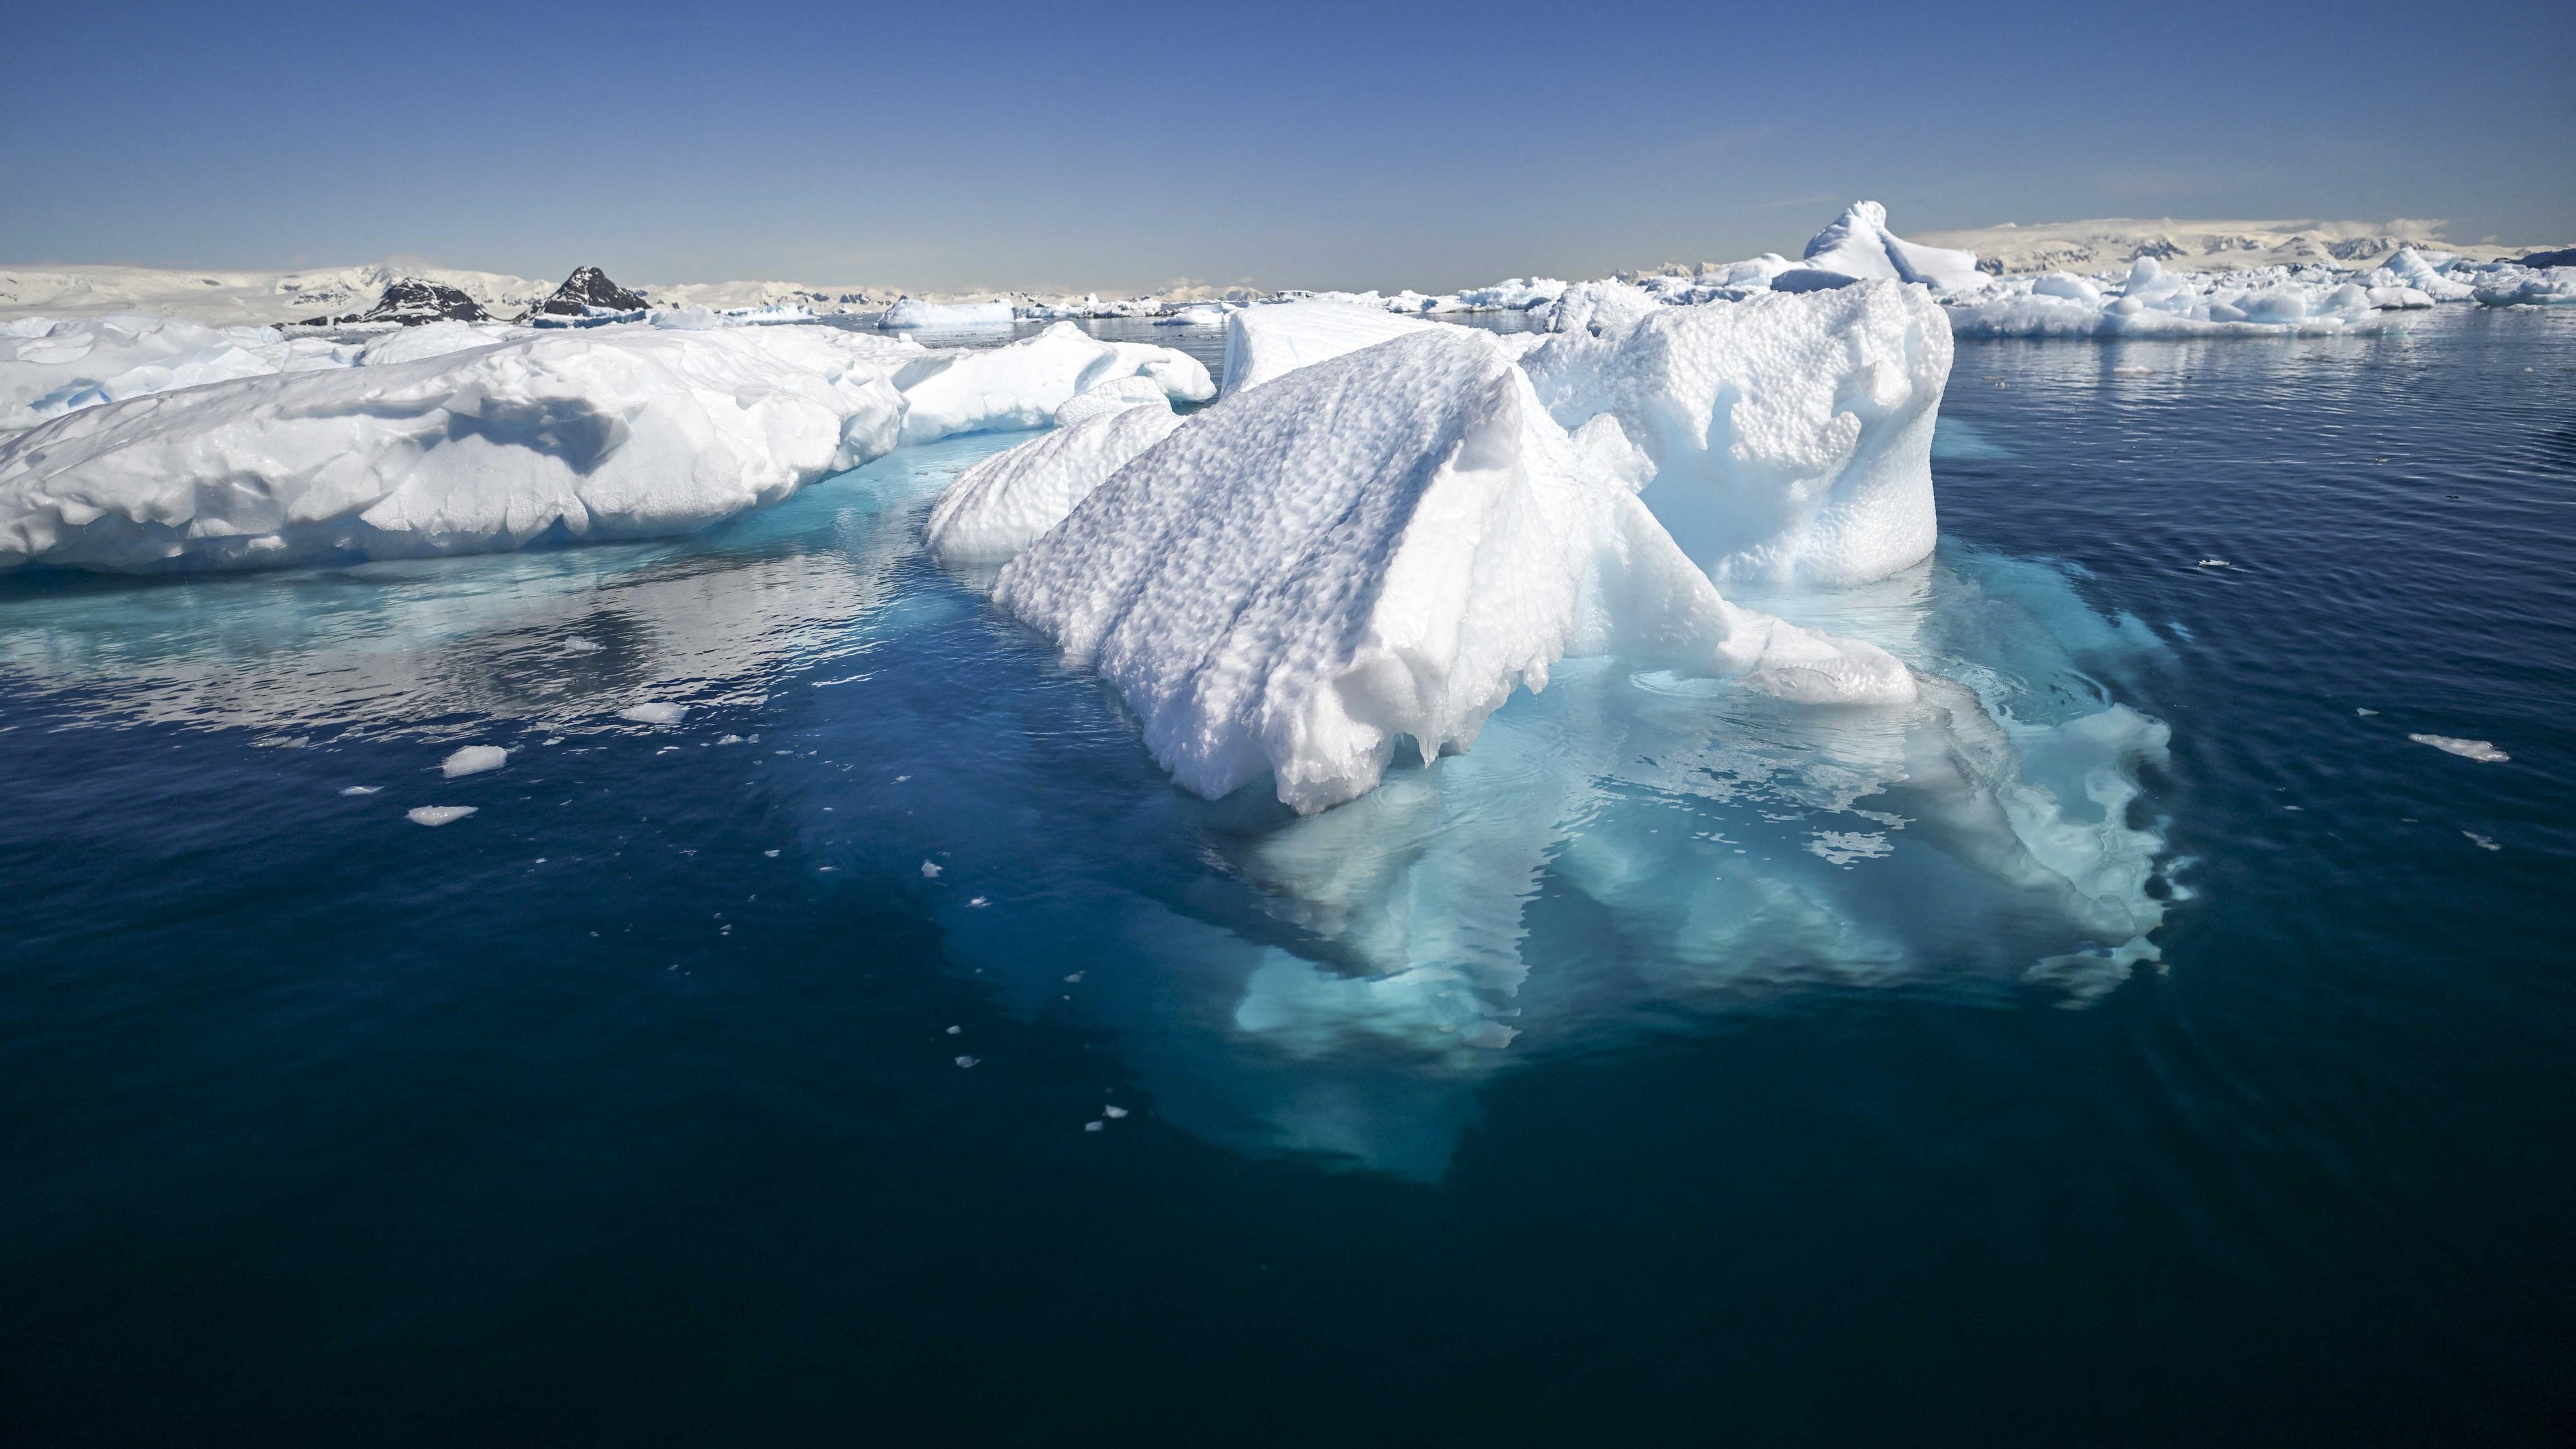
(438, 814)
(1004, 503)
(1857, 246)
(2482, 751)
(914, 313)
(1263, 342)
(1021, 385)
(51, 367)
(1791, 433)
(474, 760)
(619, 431)
(2150, 301)
(1384, 544)
(2112, 243)
(2508, 285)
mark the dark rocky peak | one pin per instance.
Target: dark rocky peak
(2566, 258)
(411, 302)
(586, 290)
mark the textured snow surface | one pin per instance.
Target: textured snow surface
(1791, 435)
(1263, 342)
(1004, 503)
(2507, 285)
(50, 367)
(611, 432)
(1382, 546)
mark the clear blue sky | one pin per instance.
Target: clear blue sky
(940, 144)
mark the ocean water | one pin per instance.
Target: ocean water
(2147, 1041)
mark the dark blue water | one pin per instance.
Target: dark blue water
(1672, 1067)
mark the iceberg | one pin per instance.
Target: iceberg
(1790, 434)
(1383, 545)
(911, 313)
(51, 367)
(488, 445)
(2151, 301)
(1857, 246)
(1021, 385)
(2508, 285)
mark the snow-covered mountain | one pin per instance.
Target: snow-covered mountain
(235, 299)
(2191, 246)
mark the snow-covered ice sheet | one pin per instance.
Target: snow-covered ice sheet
(50, 367)
(1006, 502)
(611, 432)
(1263, 342)
(2153, 302)
(913, 313)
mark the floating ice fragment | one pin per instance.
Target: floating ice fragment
(2483, 842)
(438, 814)
(2365, 713)
(1076, 977)
(656, 714)
(2479, 750)
(978, 903)
(1840, 847)
(730, 740)
(968, 1061)
(929, 870)
(2215, 563)
(954, 1030)
(773, 855)
(1113, 1111)
(474, 760)
(362, 789)
(1092, 1126)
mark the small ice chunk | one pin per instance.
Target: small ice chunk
(474, 760)
(2215, 563)
(651, 713)
(1075, 978)
(2365, 713)
(2483, 842)
(1114, 1111)
(773, 855)
(438, 814)
(730, 740)
(362, 789)
(954, 1030)
(1093, 1126)
(929, 871)
(978, 903)
(2479, 750)
(968, 1061)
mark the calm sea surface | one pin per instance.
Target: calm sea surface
(2149, 1043)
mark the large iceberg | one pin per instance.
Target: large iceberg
(999, 389)
(1791, 435)
(911, 313)
(610, 432)
(1008, 501)
(1857, 246)
(2508, 285)
(1377, 547)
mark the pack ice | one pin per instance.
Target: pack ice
(613, 432)
(1381, 542)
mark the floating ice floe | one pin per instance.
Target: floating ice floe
(653, 713)
(438, 814)
(909, 314)
(1383, 545)
(2153, 302)
(610, 432)
(2507, 285)
(49, 368)
(2482, 751)
(474, 760)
